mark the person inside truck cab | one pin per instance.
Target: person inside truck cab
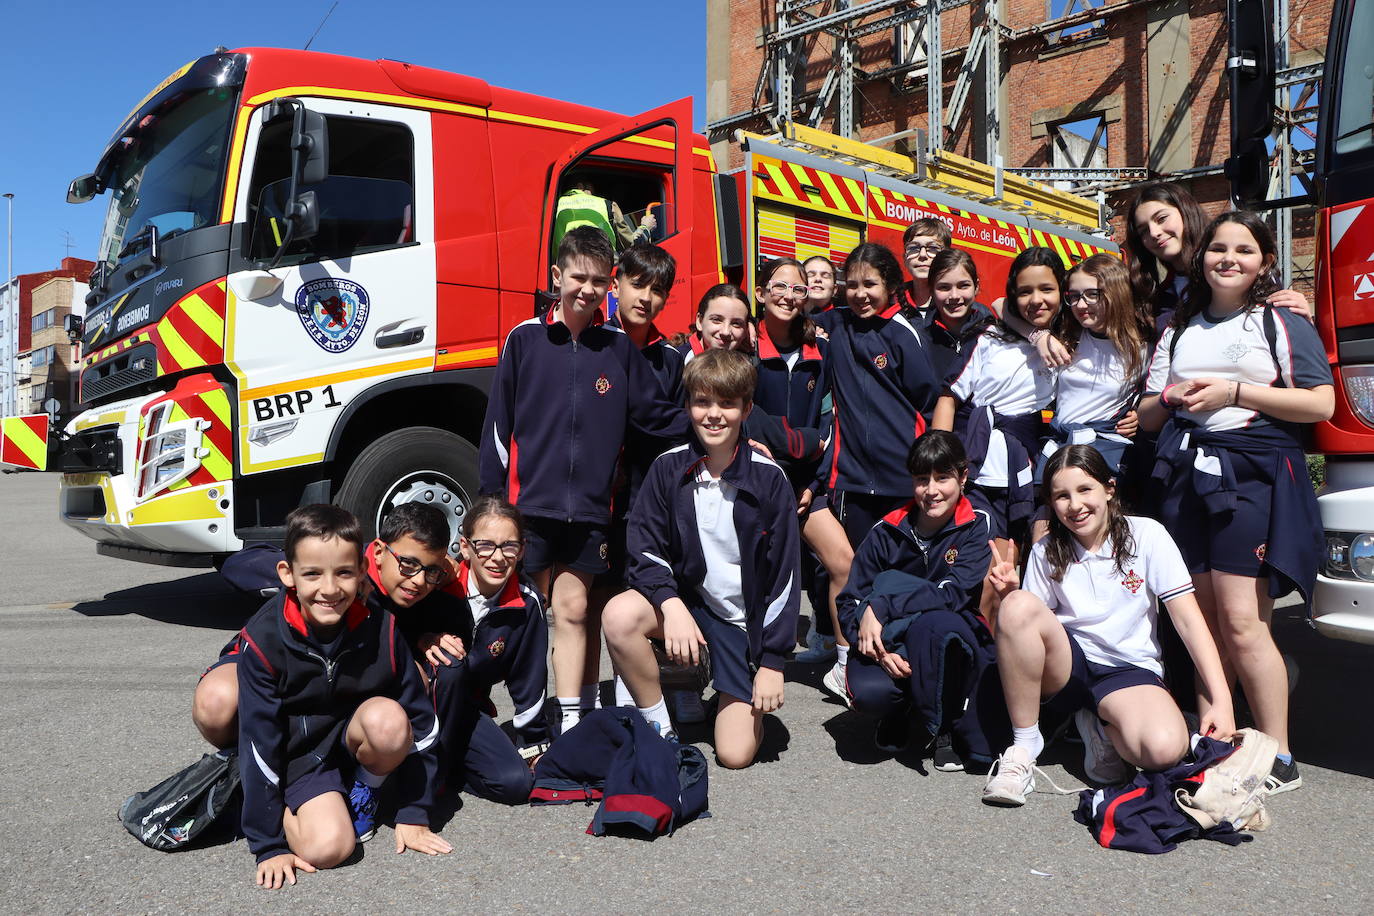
(579, 205)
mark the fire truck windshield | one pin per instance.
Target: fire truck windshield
(168, 170)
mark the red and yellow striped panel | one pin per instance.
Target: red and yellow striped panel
(24, 441)
(778, 179)
(1070, 250)
(204, 398)
(785, 233)
(188, 336)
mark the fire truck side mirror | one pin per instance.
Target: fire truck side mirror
(1250, 79)
(305, 214)
(310, 146)
(83, 189)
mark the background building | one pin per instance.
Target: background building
(52, 354)
(16, 328)
(1095, 97)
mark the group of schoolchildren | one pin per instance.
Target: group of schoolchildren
(876, 440)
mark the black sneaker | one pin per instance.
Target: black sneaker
(893, 732)
(947, 760)
(1283, 777)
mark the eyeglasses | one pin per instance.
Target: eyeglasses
(931, 250)
(782, 289)
(410, 567)
(1091, 296)
(509, 549)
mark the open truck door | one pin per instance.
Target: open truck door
(643, 163)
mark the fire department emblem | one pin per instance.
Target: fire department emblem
(333, 312)
(1132, 582)
(951, 555)
(880, 360)
(1261, 551)
(603, 384)
(497, 647)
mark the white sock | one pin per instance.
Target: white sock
(1029, 739)
(369, 778)
(572, 711)
(623, 697)
(842, 655)
(657, 714)
(591, 697)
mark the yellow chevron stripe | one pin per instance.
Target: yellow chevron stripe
(835, 193)
(855, 189)
(185, 505)
(219, 466)
(1024, 233)
(218, 402)
(177, 348)
(199, 311)
(29, 444)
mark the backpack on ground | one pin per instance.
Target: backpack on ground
(1232, 791)
(185, 806)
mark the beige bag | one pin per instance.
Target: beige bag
(1233, 790)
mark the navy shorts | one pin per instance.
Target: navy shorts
(617, 557)
(229, 658)
(551, 542)
(859, 512)
(1233, 542)
(323, 779)
(729, 646)
(1089, 683)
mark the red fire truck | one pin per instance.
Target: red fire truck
(309, 264)
(1343, 603)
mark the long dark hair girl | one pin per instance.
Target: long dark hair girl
(1199, 294)
(1038, 256)
(1060, 545)
(1145, 269)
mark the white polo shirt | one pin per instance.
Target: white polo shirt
(1114, 617)
(1094, 386)
(722, 590)
(477, 602)
(1009, 377)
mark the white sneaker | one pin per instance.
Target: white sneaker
(686, 707)
(1102, 765)
(836, 681)
(1011, 779)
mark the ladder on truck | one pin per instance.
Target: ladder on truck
(948, 172)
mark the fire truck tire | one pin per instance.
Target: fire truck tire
(418, 464)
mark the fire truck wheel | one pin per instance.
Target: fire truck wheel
(419, 464)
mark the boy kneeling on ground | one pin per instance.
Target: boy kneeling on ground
(326, 688)
(713, 560)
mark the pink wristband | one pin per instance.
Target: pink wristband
(1164, 396)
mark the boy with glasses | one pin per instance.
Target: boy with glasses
(921, 242)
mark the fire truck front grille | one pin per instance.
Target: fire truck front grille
(134, 367)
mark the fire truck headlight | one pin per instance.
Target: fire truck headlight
(1362, 557)
(1338, 554)
(1359, 391)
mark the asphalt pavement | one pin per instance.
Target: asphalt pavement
(99, 657)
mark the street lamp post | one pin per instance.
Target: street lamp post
(12, 316)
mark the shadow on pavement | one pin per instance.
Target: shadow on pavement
(205, 600)
(1328, 709)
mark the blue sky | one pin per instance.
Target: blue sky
(70, 72)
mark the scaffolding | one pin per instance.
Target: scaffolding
(782, 96)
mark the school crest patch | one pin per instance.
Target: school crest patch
(1235, 351)
(951, 555)
(880, 360)
(1260, 551)
(1132, 582)
(603, 384)
(497, 647)
(811, 384)
(603, 551)
(333, 312)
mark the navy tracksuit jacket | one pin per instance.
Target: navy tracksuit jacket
(295, 700)
(645, 784)
(558, 414)
(667, 363)
(666, 559)
(884, 389)
(794, 400)
(951, 349)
